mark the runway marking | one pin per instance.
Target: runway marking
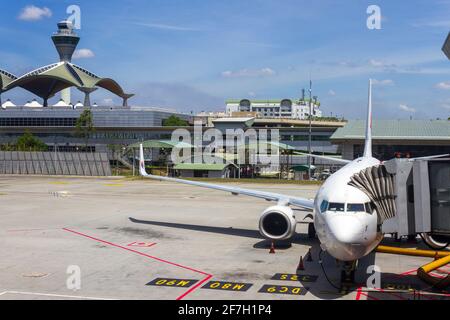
(294, 277)
(227, 286)
(54, 295)
(358, 293)
(422, 294)
(142, 244)
(296, 291)
(207, 275)
(162, 282)
(368, 296)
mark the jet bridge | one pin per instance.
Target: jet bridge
(411, 197)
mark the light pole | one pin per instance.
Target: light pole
(310, 130)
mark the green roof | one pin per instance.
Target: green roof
(160, 144)
(396, 130)
(200, 166)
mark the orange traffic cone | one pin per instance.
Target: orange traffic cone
(301, 266)
(272, 248)
(309, 256)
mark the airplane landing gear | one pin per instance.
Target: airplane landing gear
(311, 231)
(348, 277)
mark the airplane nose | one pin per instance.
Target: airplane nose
(346, 229)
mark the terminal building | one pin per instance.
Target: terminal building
(395, 138)
(279, 109)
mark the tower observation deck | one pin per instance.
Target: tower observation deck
(66, 41)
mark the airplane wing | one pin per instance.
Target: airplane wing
(342, 161)
(430, 157)
(269, 196)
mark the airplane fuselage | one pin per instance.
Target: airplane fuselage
(346, 223)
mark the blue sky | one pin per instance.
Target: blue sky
(193, 55)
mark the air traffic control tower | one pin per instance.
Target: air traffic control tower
(66, 41)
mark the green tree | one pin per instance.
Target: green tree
(28, 142)
(174, 121)
(85, 126)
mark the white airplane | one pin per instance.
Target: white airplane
(345, 220)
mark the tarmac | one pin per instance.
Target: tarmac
(107, 238)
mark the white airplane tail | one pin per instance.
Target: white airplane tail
(368, 143)
(142, 161)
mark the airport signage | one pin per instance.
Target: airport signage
(227, 286)
(177, 283)
(294, 277)
(288, 290)
(399, 286)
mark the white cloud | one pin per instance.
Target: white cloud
(252, 94)
(33, 13)
(83, 54)
(381, 64)
(405, 108)
(443, 85)
(386, 82)
(264, 72)
(332, 93)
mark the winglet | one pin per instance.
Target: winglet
(368, 144)
(142, 161)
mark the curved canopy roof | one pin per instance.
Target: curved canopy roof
(5, 79)
(46, 81)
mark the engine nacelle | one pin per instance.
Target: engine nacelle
(278, 223)
(436, 242)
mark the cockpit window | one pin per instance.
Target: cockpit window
(356, 207)
(369, 208)
(336, 207)
(324, 206)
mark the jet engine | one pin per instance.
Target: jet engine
(278, 223)
(436, 242)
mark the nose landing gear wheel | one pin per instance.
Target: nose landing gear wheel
(348, 277)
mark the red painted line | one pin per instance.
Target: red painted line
(208, 276)
(368, 296)
(194, 287)
(358, 294)
(408, 272)
(391, 293)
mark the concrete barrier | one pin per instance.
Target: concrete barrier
(51, 163)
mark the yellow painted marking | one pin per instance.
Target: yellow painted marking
(228, 286)
(172, 282)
